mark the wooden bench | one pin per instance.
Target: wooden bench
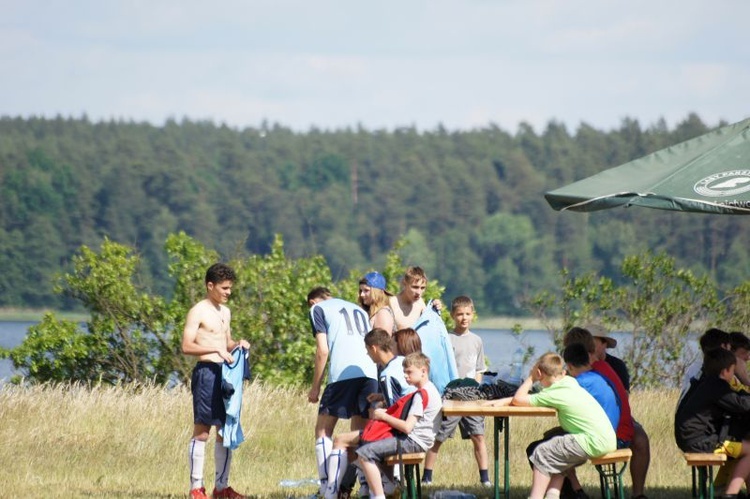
(610, 477)
(411, 462)
(702, 471)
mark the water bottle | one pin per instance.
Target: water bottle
(299, 483)
(452, 494)
(516, 367)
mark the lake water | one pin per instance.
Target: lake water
(499, 346)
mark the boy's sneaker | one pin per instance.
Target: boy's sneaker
(228, 493)
(198, 493)
(487, 484)
(426, 482)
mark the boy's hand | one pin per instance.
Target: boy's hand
(501, 402)
(378, 414)
(244, 344)
(313, 394)
(226, 356)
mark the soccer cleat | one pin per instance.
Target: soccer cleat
(228, 493)
(198, 493)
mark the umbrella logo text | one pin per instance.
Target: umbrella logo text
(724, 184)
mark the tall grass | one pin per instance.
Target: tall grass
(77, 441)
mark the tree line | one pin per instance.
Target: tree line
(466, 205)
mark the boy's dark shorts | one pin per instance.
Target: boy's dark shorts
(347, 398)
(469, 425)
(208, 404)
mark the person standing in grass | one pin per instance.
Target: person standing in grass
(409, 303)
(207, 335)
(375, 299)
(469, 352)
(339, 328)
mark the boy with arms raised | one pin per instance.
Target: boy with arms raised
(700, 418)
(588, 430)
(416, 432)
(469, 352)
(409, 303)
(207, 335)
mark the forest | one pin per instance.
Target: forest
(468, 204)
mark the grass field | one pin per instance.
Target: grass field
(78, 442)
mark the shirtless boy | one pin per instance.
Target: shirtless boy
(207, 335)
(409, 303)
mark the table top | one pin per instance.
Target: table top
(483, 408)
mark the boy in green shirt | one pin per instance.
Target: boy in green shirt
(588, 431)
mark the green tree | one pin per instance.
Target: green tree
(659, 303)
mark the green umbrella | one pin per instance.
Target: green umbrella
(707, 174)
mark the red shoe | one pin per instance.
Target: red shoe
(228, 493)
(198, 494)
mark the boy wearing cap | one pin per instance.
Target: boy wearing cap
(640, 445)
(375, 299)
(603, 341)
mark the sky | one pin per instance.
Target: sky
(462, 65)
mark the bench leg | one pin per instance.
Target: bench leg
(610, 479)
(413, 488)
(702, 481)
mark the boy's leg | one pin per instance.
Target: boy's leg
(223, 460)
(447, 427)
(338, 461)
(337, 464)
(741, 470)
(197, 454)
(539, 483)
(640, 460)
(473, 427)
(554, 487)
(371, 455)
(552, 458)
(323, 445)
(429, 461)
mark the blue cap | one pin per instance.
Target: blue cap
(375, 280)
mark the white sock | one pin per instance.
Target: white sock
(196, 455)
(337, 463)
(323, 448)
(223, 458)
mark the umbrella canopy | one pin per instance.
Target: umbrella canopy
(707, 174)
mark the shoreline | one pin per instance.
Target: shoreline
(35, 315)
(12, 314)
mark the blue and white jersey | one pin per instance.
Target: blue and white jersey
(391, 381)
(345, 325)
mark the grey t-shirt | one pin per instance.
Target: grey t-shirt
(469, 352)
(428, 419)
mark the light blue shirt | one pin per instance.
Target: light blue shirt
(233, 373)
(345, 324)
(437, 346)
